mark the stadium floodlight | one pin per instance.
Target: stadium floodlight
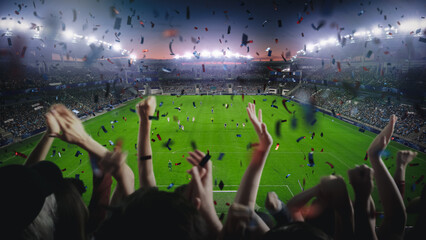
(323, 42)
(187, 55)
(409, 25)
(68, 34)
(216, 54)
(133, 57)
(177, 56)
(310, 47)
(116, 47)
(205, 54)
(249, 57)
(91, 40)
(376, 31)
(228, 54)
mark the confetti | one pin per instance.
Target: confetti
(298, 140)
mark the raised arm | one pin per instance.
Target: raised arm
(40, 151)
(277, 209)
(361, 179)
(403, 158)
(247, 192)
(393, 206)
(145, 109)
(115, 164)
(200, 191)
(73, 131)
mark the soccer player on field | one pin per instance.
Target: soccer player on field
(170, 165)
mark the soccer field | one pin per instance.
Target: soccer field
(343, 146)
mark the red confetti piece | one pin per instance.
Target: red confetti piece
(300, 20)
(109, 60)
(227, 204)
(331, 165)
(207, 29)
(195, 28)
(365, 69)
(204, 68)
(20, 154)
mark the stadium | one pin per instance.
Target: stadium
(212, 120)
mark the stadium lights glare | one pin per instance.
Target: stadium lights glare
(68, 34)
(407, 27)
(310, 47)
(187, 55)
(133, 57)
(91, 40)
(216, 53)
(205, 54)
(376, 31)
(116, 47)
(213, 54)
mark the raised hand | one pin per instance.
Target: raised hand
(72, 131)
(200, 190)
(71, 127)
(115, 164)
(146, 107)
(403, 158)
(382, 140)
(113, 161)
(205, 173)
(265, 139)
(52, 124)
(361, 179)
(273, 203)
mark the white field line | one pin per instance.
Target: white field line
(218, 191)
(69, 174)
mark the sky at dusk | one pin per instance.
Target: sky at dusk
(165, 21)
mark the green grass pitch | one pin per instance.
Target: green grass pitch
(344, 146)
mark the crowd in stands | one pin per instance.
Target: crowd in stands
(370, 109)
(25, 77)
(39, 203)
(21, 119)
(369, 75)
